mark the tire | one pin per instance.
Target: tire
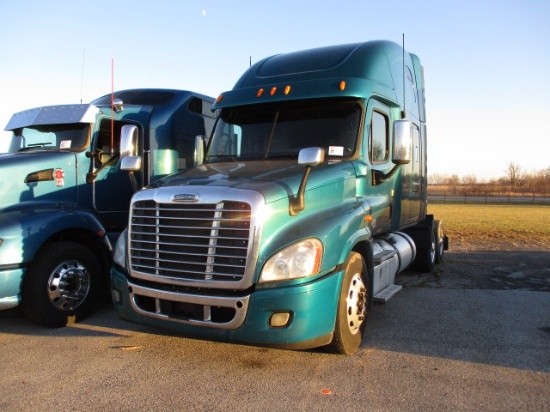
(424, 239)
(353, 306)
(439, 234)
(61, 282)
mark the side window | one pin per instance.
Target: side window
(410, 82)
(104, 151)
(209, 117)
(378, 147)
(203, 108)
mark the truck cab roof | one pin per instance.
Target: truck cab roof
(355, 70)
(50, 115)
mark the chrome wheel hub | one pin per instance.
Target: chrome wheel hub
(68, 285)
(356, 304)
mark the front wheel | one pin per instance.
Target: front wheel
(61, 282)
(352, 307)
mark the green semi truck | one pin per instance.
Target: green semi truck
(64, 196)
(308, 198)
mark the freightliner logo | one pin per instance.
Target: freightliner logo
(185, 197)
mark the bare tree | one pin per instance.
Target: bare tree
(469, 180)
(453, 182)
(532, 182)
(514, 174)
(470, 184)
(436, 179)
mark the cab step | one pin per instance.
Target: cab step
(387, 293)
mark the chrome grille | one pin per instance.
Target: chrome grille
(192, 242)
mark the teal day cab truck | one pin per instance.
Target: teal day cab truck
(64, 198)
(310, 197)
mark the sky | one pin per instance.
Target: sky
(486, 62)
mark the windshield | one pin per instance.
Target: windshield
(65, 137)
(277, 131)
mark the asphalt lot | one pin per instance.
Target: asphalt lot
(440, 344)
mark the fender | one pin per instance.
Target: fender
(339, 227)
(25, 228)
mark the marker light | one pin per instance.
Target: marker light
(260, 92)
(342, 85)
(287, 90)
(219, 99)
(273, 91)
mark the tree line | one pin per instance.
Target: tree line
(514, 181)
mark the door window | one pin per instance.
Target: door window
(378, 148)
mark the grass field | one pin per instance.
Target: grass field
(496, 225)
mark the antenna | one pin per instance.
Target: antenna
(82, 75)
(404, 112)
(112, 105)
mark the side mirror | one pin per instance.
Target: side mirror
(311, 156)
(402, 141)
(199, 150)
(128, 140)
(130, 163)
(308, 157)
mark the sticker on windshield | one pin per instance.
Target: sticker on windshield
(59, 175)
(65, 144)
(336, 151)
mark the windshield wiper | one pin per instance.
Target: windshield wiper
(283, 156)
(34, 145)
(222, 158)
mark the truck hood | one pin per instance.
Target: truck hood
(31, 176)
(273, 179)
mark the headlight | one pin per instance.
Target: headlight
(119, 254)
(295, 261)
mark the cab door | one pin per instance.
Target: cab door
(377, 151)
(112, 187)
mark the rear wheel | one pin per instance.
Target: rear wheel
(352, 307)
(425, 242)
(439, 235)
(425, 258)
(61, 282)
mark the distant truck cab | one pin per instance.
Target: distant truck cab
(310, 197)
(64, 198)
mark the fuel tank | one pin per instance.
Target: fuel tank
(393, 252)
